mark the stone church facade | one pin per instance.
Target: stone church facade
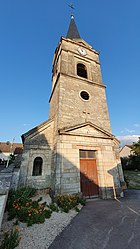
(74, 150)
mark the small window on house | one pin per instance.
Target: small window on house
(81, 70)
(37, 166)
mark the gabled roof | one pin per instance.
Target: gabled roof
(126, 145)
(8, 147)
(102, 133)
(129, 145)
(73, 31)
(35, 129)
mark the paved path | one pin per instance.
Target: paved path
(104, 224)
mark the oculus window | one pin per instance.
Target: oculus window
(84, 95)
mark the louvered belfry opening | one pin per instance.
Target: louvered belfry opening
(37, 166)
(81, 70)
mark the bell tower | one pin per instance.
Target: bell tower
(75, 149)
(78, 93)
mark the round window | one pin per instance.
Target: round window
(84, 95)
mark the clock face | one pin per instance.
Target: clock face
(82, 51)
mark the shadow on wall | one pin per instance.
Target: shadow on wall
(118, 180)
(43, 167)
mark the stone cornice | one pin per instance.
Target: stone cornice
(84, 58)
(76, 77)
(33, 132)
(84, 135)
(85, 80)
(67, 130)
(77, 42)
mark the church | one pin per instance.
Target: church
(74, 150)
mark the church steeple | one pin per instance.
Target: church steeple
(73, 31)
(74, 151)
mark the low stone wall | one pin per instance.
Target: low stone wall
(5, 180)
(15, 178)
(3, 200)
(9, 178)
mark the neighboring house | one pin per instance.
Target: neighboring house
(126, 151)
(10, 148)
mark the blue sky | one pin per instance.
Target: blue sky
(29, 33)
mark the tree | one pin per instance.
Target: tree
(135, 158)
(136, 148)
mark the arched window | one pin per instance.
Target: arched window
(81, 70)
(37, 166)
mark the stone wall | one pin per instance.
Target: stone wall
(66, 105)
(39, 145)
(6, 176)
(68, 169)
(72, 107)
(26, 177)
(15, 178)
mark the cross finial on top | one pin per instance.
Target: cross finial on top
(72, 9)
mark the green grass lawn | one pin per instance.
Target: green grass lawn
(132, 178)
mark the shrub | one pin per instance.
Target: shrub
(23, 193)
(69, 201)
(77, 209)
(11, 240)
(53, 207)
(21, 206)
(131, 162)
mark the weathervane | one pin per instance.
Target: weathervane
(72, 9)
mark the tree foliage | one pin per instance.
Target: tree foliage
(132, 162)
(136, 148)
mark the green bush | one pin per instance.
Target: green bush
(53, 207)
(69, 201)
(21, 206)
(11, 240)
(131, 162)
(23, 193)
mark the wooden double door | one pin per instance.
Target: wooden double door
(88, 173)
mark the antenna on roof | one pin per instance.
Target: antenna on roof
(72, 10)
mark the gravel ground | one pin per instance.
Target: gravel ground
(40, 236)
